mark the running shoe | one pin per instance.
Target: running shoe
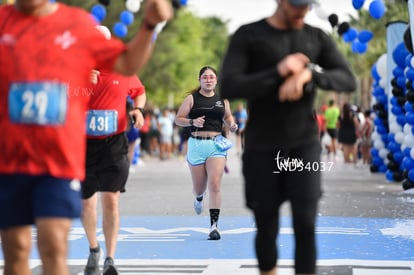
(92, 266)
(214, 233)
(109, 267)
(198, 206)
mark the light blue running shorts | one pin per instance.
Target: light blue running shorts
(199, 150)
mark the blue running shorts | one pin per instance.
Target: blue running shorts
(24, 198)
(199, 150)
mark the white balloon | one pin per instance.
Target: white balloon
(321, 13)
(383, 153)
(412, 153)
(407, 129)
(395, 127)
(133, 5)
(399, 137)
(382, 66)
(375, 136)
(378, 144)
(409, 140)
(383, 82)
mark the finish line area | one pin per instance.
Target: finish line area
(179, 245)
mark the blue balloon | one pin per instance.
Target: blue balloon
(394, 101)
(399, 54)
(398, 71)
(99, 12)
(382, 130)
(408, 106)
(397, 110)
(393, 146)
(407, 152)
(382, 99)
(374, 152)
(398, 156)
(411, 175)
(409, 73)
(377, 9)
(357, 4)
(350, 35)
(389, 175)
(407, 163)
(374, 72)
(401, 81)
(358, 47)
(378, 91)
(183, 2)
(401, 119)
(120, 29)
(408, 60)
(382, 168)
(378, 121)
(384, 136)
(377, 161)
(365, 36)
(126, 17)
(409, 117)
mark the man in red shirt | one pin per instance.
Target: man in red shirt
(47, 51)
(107, 163)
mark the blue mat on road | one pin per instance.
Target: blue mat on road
(164, 237)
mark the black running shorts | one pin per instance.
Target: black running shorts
(107, 165)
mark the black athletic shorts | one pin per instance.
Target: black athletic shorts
(333, 133)
(107, 165)
(286, 174)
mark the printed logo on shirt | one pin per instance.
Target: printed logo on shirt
(65, 40)
(115, 82)
(219, 104)
(7, 39)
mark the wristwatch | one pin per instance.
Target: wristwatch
(191, 122)
(140, 109)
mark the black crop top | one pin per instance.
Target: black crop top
(210, 107)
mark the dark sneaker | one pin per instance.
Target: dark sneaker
(92, 266)
(214, 233)
(109, 267)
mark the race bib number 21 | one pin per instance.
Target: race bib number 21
(39, 103)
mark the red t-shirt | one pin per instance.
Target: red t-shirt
(110, 93)
(44, 63)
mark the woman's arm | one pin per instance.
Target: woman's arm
(228, 117)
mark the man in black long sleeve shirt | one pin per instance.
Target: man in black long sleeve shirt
(276, 64)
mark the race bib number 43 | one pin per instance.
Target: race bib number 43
(102, 122)
(39, 103)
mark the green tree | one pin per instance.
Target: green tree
(186, 44)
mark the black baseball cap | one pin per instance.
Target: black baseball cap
(302, 2)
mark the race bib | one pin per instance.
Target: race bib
(39, 103)
(102, 122)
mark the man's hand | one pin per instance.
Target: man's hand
(157, 11)
(138, 117)
(94, 76)
(292, 87)
(292, 64)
